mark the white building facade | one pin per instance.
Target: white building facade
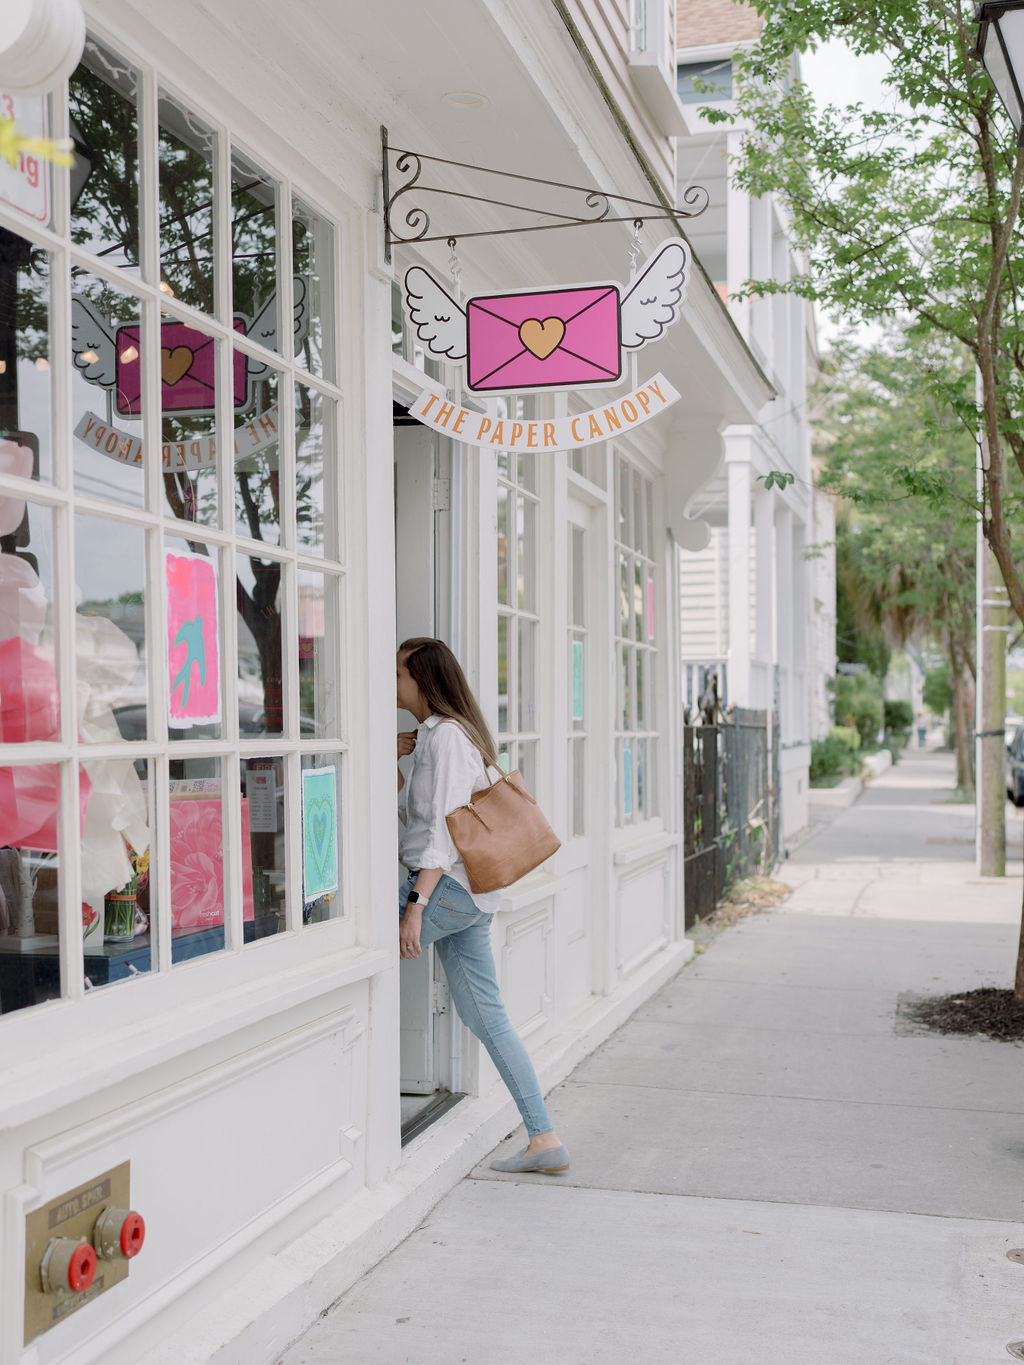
(205, 378)
(758, 601)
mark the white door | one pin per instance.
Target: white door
(423, 607)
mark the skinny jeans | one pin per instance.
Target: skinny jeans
(462, 936)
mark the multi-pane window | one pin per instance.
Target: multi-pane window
(518, 620)
(579, 649)
(635, 646)
(172, 575)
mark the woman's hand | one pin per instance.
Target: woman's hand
(406, 742)
(409, 932)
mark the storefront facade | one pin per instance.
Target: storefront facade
(216, 520)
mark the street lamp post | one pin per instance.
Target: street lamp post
(1001, 49)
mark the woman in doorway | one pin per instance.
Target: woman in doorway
(435, 903)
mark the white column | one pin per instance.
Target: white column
(738, 457)
(786, 608)
(765, 598)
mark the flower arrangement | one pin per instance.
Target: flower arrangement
(119, 907)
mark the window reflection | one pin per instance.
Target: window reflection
(313, 262)
(185, 150)
(260, 661)
(102, 96)
(263, 844)
(254, 250)
(106, 390)
(256, 455)
(25, 359)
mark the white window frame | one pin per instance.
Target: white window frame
(291, 947)
(649, 646)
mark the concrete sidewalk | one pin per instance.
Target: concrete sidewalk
(768, 1163)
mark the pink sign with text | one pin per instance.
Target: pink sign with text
(193, 659)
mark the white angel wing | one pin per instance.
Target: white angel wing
(92, 344)
(439, 321)
(263, 328)
(654, 297)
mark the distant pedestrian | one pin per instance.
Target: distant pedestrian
(922, 729)
(435, 903)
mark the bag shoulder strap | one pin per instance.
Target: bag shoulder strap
(489, 762)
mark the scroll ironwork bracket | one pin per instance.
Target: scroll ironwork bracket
(404, 225)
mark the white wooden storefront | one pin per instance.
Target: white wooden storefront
(254, 1086)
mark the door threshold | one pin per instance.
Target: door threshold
(437, 1108)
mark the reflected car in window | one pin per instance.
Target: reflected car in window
(1014, 767)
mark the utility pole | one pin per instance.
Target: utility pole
(990, 693)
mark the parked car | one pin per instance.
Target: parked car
(1014, 767)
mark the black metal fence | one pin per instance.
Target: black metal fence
(730, 805)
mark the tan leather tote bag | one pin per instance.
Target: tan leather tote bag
(501, 832)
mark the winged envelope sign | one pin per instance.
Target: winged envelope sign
(108, 355)
(549, 338)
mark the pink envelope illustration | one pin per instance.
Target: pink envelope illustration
(186, 369)
(547, 338)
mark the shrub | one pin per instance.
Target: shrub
(858, 703)
(833, 755)
(846, 734)
(899, 715)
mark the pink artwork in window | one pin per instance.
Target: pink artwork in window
(197, 864)
(194, 666)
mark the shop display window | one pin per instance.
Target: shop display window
(163, 614)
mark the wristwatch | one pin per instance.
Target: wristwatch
(416, 899)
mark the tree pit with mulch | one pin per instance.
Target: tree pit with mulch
(987, 1011)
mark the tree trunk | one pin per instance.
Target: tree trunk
(1018, 984)
(961, 711)
(990, 790)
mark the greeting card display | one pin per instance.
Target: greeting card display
(197, 864)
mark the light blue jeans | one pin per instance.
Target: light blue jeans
(462, 935)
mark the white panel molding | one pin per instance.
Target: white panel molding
(540, 921)
(43, 1158)
(646, 850)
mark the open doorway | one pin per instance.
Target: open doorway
(424, 530)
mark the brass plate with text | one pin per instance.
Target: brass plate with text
(71, 1215)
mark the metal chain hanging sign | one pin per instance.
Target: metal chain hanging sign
(526, 341)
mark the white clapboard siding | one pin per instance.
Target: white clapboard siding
(704, 599)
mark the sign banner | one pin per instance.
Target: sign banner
(561, 433)
(250, 439)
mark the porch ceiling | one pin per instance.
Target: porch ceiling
(393, 63)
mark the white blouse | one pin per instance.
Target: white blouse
(446, 771)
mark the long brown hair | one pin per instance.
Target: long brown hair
(436, 672)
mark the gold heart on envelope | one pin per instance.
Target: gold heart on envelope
(541, 338)
(174, 365)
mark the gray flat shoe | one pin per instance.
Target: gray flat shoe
(548, 1163)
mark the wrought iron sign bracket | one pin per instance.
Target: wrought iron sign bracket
(597, 207)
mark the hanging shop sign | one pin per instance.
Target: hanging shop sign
(249, 439)
(533, 340)
(110, 357)
(561, 433)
